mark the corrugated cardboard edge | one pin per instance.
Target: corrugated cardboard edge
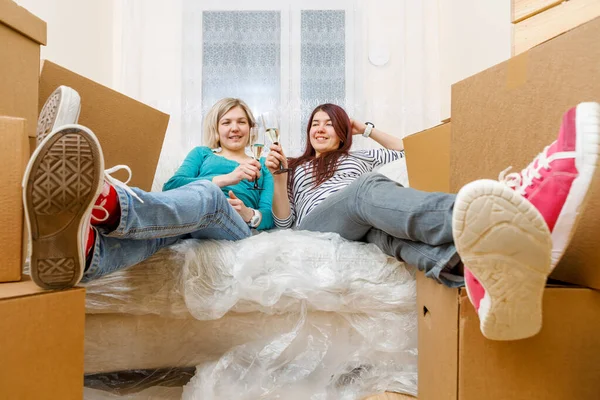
(518, 17)
(438, 309)
(19, 125)
(25, 288)
(21, 20)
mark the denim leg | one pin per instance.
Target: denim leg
(199, 210)
(112, 254)
(438, 267)
(374, 201)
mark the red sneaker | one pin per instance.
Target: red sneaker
(558, 180)
(504, 244)
(62, 192)
(107, 211)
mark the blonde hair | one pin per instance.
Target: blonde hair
(210, 127)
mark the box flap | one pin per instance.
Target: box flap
(130, 132)
(21, 20)
(428, 159)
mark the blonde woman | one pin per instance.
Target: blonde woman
(224, 161)
(90, 224)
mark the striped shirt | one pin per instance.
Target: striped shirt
(304, 196)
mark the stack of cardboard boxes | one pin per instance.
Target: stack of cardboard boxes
(536, 21)
(505, 116)
(42, 332)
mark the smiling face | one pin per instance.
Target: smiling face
(234, 130)
(322, 135)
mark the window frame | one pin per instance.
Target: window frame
(290, 95)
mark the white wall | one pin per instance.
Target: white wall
(475, 35)
(428, 45)
(80, 35)
(382, 84)
(400, 65)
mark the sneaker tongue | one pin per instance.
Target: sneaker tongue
(566, 137)
(553, 148)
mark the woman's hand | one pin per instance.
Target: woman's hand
(247, 170)
(275, 158)
(358, 128)
(245, 212)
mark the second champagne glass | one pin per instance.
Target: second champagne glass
(270, 121)
(256, 144)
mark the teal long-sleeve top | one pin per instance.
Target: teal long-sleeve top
(202, 164)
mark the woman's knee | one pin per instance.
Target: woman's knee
(208, 193)
(207, 188)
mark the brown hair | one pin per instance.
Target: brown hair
(324, 166)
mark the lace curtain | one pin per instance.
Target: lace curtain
(241, 58)
(322, 64)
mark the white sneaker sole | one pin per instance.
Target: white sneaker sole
(587, 148)
(61, 183)
(505, 243)
(61, 108)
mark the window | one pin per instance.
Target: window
(271, 54)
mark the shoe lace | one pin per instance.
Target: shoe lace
(115, 182)
(520, 181)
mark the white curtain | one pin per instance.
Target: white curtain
(380, 59)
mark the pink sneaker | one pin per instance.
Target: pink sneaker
(558, 179)
(556, 183)
(505, 247)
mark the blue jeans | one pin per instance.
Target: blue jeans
(198, 210)
(410, 225)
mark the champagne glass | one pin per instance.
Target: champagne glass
(257, 145)
(270, 121)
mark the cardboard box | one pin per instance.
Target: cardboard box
(522, 9)
(553, 22)
(457, 363)
(428, 159)
(21, 34)
(14, 152)
(507, 114)
(130, 132)
(41, 342)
